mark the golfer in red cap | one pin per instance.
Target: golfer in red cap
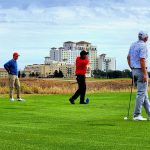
(81, 68)
(12, 69)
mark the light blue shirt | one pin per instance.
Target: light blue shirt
(138, 50)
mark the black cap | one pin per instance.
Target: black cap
(83, 53)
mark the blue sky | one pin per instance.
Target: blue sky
(31, 27)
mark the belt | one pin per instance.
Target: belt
(137, 68)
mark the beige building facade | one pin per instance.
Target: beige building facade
(39, 70)
(45, 71)
(3, 73)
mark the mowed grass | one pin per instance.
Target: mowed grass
(49, 122)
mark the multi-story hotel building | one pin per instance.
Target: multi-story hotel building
(63, 58)
(70, 51)
(106, 63)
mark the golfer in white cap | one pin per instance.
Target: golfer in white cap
(137, 60)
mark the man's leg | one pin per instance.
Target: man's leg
(146, 104)
(11, 85)
(82, 90)
(77, 93)
(141, 90)
(17, 83)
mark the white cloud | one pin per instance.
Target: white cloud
(77, 15)
(111, 25)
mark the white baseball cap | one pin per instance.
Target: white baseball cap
(143, 34)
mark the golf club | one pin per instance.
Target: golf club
(128, 113)
(74, 82)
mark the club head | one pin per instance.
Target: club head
(125, 118)
(87, 100)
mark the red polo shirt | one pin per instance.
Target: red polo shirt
(81, 66)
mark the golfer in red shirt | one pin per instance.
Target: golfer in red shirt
(81, 68)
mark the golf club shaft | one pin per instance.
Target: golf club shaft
(130, 96)
(74, 83)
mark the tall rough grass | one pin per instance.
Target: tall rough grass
(53, 86)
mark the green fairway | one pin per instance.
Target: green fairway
(51, 123)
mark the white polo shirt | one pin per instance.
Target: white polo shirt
(138, 50)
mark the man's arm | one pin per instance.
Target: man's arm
(143, 57)
(6, 66)
(128, 59)
(144, 70)
(85, 62)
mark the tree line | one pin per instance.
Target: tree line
(112, 74)
(56, 74)
(96, 74)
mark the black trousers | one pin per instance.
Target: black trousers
(81, 88)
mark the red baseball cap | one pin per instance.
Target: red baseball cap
(16, 54)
